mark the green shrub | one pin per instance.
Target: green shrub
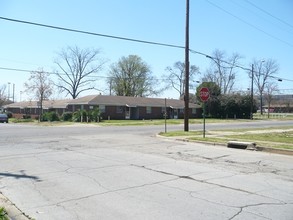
(67, 116)
(50, 116)
(79, 116)
(9, 114)
(26, 116)
(94, 115)
(21, 120)
(85, 116)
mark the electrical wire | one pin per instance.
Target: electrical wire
(63, 74)
(236, 2)
(92, 33)
(127, 39)
(109, 77)
(249, 24)
(271, 15)
(124, 38)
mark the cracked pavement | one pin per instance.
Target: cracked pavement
(128, 173)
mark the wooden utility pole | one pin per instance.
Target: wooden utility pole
(186, 95)
(251, 94)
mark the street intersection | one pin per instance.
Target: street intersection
(93, 172)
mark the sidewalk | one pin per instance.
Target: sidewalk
(13, 212)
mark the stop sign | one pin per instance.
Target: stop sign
(204, 94)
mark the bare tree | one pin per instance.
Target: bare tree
(78, 68)
(270, 89)
(3, 96)
(40, 86)
(264, 72)
(222, 70)
(176, 77)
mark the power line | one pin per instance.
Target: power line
(92, 33)
(271, 15)
(127, 39)
(50, 73)
(63, 74)
(110, 36)
(223, 61)
(281, 79)
(235, 65)
(108, 77)
(259, 16)
(249, 24)
(285, 89)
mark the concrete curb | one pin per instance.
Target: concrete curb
(275, 150)
(14, 213)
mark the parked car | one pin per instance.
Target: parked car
(3, 118)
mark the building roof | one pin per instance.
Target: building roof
(47, 104)
(130, 101)
(105, 100)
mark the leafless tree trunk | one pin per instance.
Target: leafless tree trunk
(78, 68)
(176, 77)
(41, 86)
(270, 89)
(3, 96)
(222, 70)
(265, 72)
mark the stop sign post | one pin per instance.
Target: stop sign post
(204, 95)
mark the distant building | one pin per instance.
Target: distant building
(279, 103)
(111, 107)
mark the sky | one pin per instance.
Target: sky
(256, 29)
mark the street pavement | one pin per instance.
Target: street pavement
(92, 172)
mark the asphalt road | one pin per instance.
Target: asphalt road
(92, 172)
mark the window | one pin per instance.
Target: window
(119, 109)
(102, 108)
(194, 111)
(148, 110)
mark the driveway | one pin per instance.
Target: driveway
(91, 172)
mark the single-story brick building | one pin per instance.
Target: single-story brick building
(32, 108)
(111, 107)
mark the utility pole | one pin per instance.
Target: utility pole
(186, 95)
(8, 98)
(111, 86)
(13, 92)
(261, 91)
(251, 104)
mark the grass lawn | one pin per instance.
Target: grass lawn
(280, 137)
(180, 133)
(3, 214)
(159, 121)
(139, 122)
(271, 139)
(15, 120)
(168, 121)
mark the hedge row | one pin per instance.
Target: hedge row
(78, 116)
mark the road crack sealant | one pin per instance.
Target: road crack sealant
(242, 209)
(215, 185)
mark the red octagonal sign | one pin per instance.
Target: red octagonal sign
(204, 94)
